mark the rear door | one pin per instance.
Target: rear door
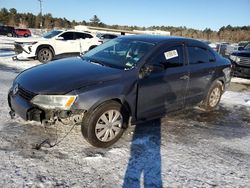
(165, 89)
(201, 67)
(84, 40)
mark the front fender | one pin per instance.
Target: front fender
(91, 97)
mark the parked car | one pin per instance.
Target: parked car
(55, 43)
(104, 37)
(230, 49)
(241, 61)
(221, 48)
(23, 32)
(7, 30)
(136, 78)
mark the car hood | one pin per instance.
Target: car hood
(63, 76)
(29, 39)
(242, 53)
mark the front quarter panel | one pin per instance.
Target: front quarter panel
(92, 96)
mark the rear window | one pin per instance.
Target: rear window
(82, 35)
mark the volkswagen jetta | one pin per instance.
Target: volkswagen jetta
(128, 79)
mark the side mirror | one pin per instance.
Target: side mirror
(241, 48)
(59, 38)
(147, 69)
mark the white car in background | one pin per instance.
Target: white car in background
(55, 43)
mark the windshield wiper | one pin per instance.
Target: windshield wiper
(96, 62)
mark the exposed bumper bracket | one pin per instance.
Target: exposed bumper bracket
(12, 114)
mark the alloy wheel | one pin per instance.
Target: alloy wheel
(214, 97)
(45, 55)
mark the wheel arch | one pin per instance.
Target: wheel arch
(45, 46)
(121, 101)
(221, 80)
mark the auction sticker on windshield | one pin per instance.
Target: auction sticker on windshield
(171, 54)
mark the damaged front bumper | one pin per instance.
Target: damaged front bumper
(23, 51)
(19, 103)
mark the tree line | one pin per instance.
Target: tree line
(226, 33)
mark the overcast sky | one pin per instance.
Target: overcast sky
(198, 14)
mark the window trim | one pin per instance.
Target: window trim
(202, 47)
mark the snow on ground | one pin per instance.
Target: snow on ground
(6, 54)
(190, 148)
(241, 80)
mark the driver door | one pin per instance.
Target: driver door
(67, 44)
(163, 88)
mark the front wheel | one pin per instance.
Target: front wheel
(45, 55)
(105, 125)
(9, 35)
(214, 95)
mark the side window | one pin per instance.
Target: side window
(67, 36)
(82, 35)
(88, 36)
(170, 57)
(198, 55)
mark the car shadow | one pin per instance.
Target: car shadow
(9, 68)
(144, 166)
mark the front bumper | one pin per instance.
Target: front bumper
(240, 70)
(19, 103)
(24, 51)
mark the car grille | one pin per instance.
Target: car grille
(25, 94)
(244, 61)
(18, 48)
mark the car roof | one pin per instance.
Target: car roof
(79, 31)
(160, 38)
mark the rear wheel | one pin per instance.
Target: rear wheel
(45, 55)
(214, 95)
(105, 125)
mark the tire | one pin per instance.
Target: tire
(97, 127)
(25, 35)
(9, 35)
(44, 55)
(213, 98)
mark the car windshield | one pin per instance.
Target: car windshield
(119, 53)
(51, 34)
(247, 47)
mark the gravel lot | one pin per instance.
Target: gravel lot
(190, 148)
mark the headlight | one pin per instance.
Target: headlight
(63, 102)
(234, 58)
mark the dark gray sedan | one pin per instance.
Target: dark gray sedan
(128, 79)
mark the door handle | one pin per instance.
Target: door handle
(185, 77)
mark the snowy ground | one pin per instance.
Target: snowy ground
(185, 149)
